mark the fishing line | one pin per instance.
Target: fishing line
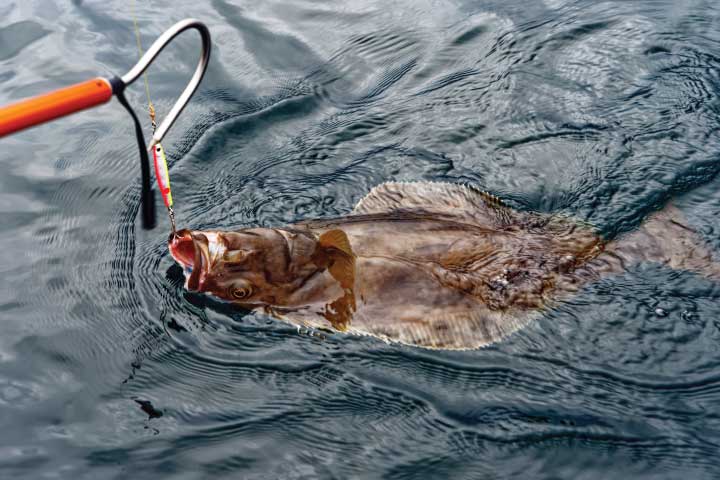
(99, 90)
(159, 159)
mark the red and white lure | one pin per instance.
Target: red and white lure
(163, 180)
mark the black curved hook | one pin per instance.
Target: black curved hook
(147, 194)
(118, 87)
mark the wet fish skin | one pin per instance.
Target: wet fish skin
(427, 264)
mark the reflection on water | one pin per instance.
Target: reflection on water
(602, 111)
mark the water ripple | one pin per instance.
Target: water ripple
(109, 368)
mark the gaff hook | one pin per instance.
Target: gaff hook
(96, 91)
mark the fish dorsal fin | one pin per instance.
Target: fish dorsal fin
(335, 252)
(451, 199)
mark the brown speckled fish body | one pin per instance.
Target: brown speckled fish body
(435, 265)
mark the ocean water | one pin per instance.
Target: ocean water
(605, 110)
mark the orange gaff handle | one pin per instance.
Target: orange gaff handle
(49, 106)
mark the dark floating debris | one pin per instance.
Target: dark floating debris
(147, 407)
(174, 325)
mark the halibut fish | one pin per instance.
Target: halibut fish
(429, 264)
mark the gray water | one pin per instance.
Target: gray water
(601, 110)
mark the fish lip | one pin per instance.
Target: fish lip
(201, 264)
(201, 257)
(175, 241)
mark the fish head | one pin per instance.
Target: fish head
(251, 267)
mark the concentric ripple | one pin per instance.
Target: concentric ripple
(601, 110)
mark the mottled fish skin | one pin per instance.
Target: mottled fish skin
(434, 265)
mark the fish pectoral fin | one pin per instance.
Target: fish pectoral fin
(336, 239)
(335, 253)
(342, 269)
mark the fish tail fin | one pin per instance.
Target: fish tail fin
(666, 238)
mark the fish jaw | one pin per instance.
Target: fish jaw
(196, 252)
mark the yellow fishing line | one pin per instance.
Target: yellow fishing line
(161, 169)
(151, 109)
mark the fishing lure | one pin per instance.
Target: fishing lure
(163, 180)
(90, 93)
(159, 160)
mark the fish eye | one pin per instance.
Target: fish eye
(241, 293)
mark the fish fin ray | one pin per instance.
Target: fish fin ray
(335, 252)
(342, 269)
(336, 239)
(461, 330)
(473, 204)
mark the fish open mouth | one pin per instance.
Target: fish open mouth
(191, 251)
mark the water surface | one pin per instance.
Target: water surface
(601, 110)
